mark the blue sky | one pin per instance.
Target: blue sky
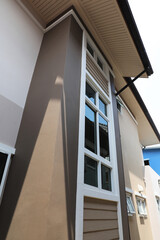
(154, 157)
(147, 17)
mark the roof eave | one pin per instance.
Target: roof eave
(132, 27)
(143, 107)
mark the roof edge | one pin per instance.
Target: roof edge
(133, 29)
(143, 106)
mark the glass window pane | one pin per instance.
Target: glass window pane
(103, 137)
(90, 172)
(140, 208)
(90, 93)
(3, 159)
(90, 129)
(130, 204)
(100, 63)
(106, 178)
(90, 49)
(102, 107)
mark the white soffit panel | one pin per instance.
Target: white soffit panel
(105, 18)
(147, 135)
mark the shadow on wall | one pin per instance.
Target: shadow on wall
(40, 193)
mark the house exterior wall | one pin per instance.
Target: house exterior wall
(153, 191)
(154, 157)
(45, 162)
(40, 196)
(134, 172)
(19, 47)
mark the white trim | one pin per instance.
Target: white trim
(115, 172)
(31, 15)
(129, 190)
(96, 86)
(94, 192)
(96, 109)
(141, 206)
(7, 149)
(157, 195)
(84, 189)
(105, 71)
(4, 177)
(130, 205)
(70, 12)
(97, 158)
(99, 54)
(140, 195)
(80, 167)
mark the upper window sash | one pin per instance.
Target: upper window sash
(141, 204)
(130, 206)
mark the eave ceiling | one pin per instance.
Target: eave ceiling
(104, 20)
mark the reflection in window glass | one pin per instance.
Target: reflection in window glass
(90, 172)
(106, 178)
(90, 93)
(102, 106)
(103, 137)
(141, 207)
(130, 207)
(90, 129)
(90, 49)
(3, 160)
(100, 63)
(158, 203)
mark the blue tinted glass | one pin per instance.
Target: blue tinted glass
(90, 129)
(90, 49)
(102, 106)
(90, 172)
(3, 160)
(103, 137)
(90, 93)
(100, 63)
(106, 178)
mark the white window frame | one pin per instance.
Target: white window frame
(8, 151)
(158, 202)
(130, 205)
(141, 206)
(85, 190)
(95, 107)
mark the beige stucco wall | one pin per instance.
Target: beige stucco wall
(134, 172)
(152, 190)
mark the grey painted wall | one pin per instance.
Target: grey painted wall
(10, 119)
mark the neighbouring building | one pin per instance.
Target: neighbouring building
(138, 185)
(153, 154)
(152, 181)
(71, 164)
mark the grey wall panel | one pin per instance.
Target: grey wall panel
(10, 118)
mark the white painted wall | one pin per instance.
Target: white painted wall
(20, 41)
(152, 189)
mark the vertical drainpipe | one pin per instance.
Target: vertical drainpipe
(125, 222)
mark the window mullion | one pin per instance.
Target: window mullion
(98, 144)
(97, 124)
(99, 176)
